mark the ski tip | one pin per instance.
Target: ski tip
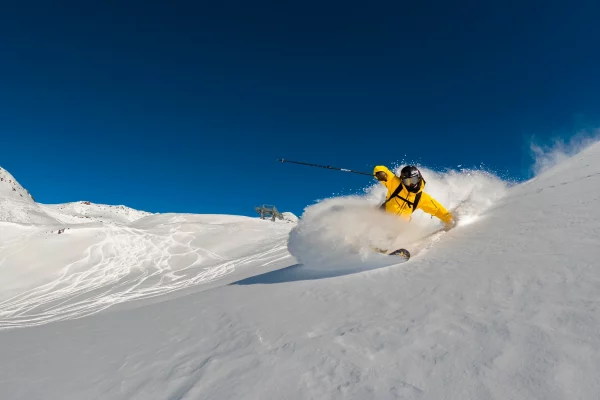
(401, 253)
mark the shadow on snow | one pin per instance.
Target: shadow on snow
(300, 272)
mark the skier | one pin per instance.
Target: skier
(405, 194)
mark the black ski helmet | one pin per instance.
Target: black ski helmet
(411, 178)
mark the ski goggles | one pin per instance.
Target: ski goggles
(412, 180)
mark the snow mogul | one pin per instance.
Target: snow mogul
(405, 195)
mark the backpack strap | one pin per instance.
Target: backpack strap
(396, 193)
(417, 199)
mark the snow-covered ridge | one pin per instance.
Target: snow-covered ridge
(18, 206)
(84, 212)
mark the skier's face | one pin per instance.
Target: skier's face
(381, 176)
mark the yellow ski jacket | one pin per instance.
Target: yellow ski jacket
(403, 204)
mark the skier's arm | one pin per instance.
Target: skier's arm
(430, 205)
(390, 176)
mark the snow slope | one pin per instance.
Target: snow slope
(505, 306)
(89, 268)
(72, 260)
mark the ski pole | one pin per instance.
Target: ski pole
(325, 166)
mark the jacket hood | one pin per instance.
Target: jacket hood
(381, 168)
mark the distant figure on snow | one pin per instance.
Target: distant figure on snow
(405, 194)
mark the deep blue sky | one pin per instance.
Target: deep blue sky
(185, 106)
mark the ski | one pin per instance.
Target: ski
(401, 253)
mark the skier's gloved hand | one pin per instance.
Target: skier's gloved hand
(451, 223)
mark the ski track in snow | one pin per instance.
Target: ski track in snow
(128, 264)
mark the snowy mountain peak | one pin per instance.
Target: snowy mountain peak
(17, 205)
(9, 187)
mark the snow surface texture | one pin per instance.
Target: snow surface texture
(505, 306)
(87, 269)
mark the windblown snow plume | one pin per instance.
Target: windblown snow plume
(338, 235)
(547, 156)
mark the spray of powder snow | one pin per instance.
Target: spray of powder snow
(336, 235)
(548, 156)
